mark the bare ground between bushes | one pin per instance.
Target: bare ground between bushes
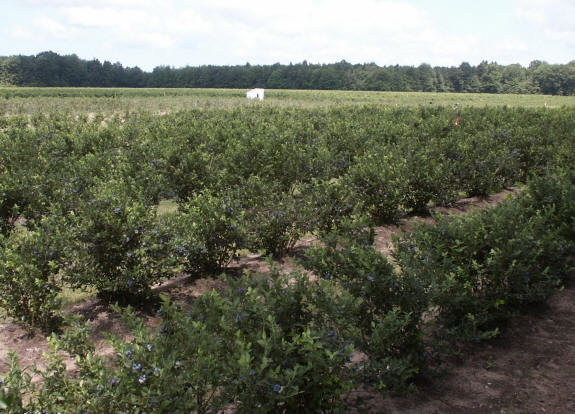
(529, 369)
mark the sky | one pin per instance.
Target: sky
(178, 33)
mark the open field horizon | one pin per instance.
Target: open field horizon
(30, 101)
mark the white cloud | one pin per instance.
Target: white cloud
(313, 30)
(180, 32)
(124, 27)
(556, 12)
(554, 17)
(112, 18)
(155, 40)
(511, 44)
(42, 28)
(95, 3)
(551, 28)
(260, 31)
(20, 32)
(52, 27)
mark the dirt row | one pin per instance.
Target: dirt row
(530, 368)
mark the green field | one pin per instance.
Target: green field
(108, 192)
(18, 101)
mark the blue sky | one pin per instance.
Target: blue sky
(149, 33)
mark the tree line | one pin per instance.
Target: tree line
(52, 69)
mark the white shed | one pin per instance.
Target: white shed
(257, 93)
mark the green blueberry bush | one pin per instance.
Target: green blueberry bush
(254, 347)
(117, 245)
(208, 231)
(30, 280)
(482, 268)
(388, 307)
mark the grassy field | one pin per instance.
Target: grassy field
(30, 101)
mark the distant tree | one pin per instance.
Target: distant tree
(94, 72)
(10, 73)
(515, 79)
(466, 73)
(378, 79)
(47, 68)
(442, 85)
(490, 78)
(426, 78)
(51, 69)
(134, 77)
(277, 78)
(567, 73)
(74, 71)
(548, 79)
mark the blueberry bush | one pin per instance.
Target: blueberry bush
(79, 208)
(117, 245)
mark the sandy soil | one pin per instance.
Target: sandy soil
(530, 368)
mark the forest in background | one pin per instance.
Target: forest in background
(52, 69)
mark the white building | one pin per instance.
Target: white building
(257, 93)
